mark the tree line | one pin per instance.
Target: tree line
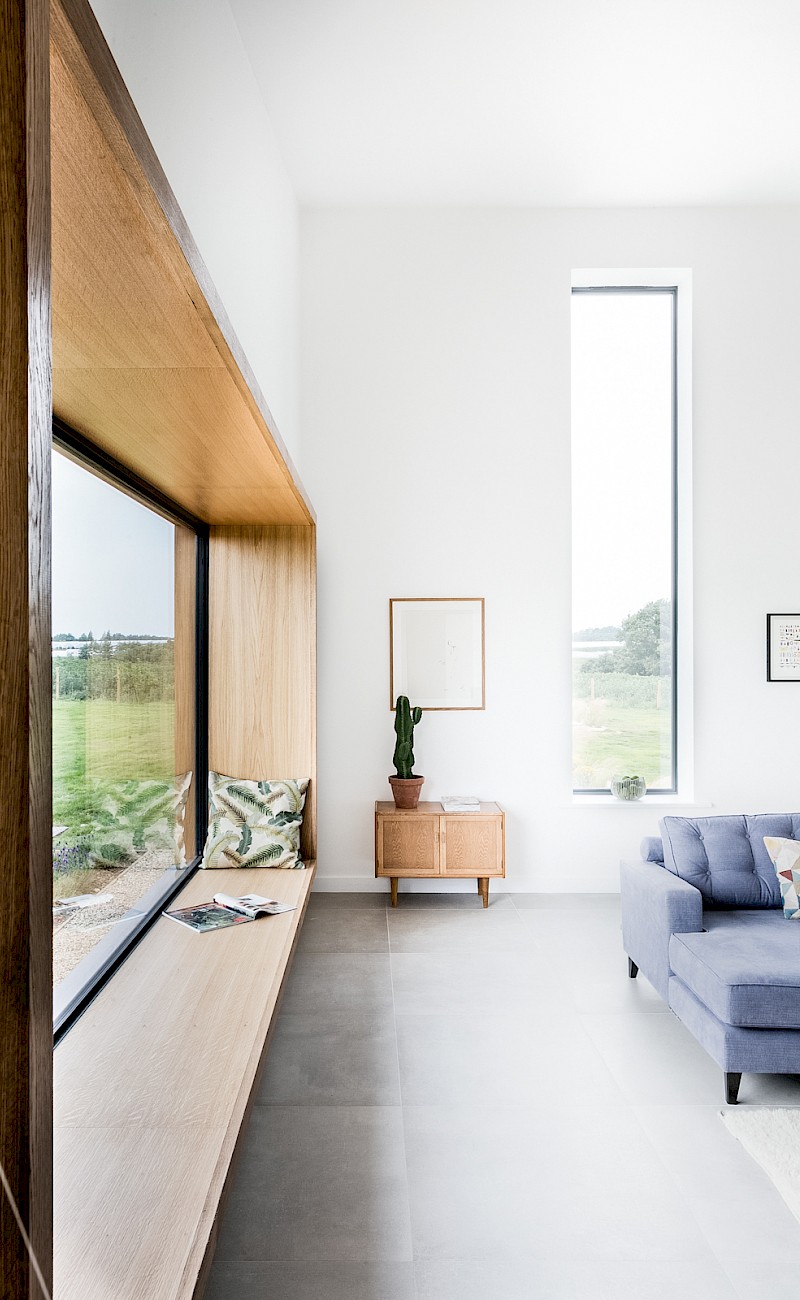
(141, 673)
(107, 636)
(647, 644)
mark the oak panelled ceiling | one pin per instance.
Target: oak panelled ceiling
(145, 362)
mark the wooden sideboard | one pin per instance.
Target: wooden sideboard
(426, 842)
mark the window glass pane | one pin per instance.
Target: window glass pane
(123, 729)
(623, 569)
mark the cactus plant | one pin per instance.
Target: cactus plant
(405, 720)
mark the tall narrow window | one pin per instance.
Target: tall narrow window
(124, 583)
(624, 440)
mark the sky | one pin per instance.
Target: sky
(621, 454)
(113, 559)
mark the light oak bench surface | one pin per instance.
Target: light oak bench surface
(151, 1089)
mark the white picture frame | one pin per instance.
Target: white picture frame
(437, 652)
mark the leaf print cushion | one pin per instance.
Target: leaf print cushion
(254, 823)
(117, 821)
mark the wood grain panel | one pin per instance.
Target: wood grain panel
(151, 1092)
(146, 362)
(25, 754)
(408, 846)
(472, 846)
(89, 184)
(187, 432)
(262, 658)
(386, 806)
(142, 1262)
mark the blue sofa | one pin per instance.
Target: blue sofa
(702, 919)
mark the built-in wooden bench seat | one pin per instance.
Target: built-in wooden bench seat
(145, 371)
(151, 1090)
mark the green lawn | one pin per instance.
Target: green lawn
(98, 747)
(613, 740)
(97, 741)
(120, 742)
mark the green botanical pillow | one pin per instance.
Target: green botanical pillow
(254, 823)
(117, 821)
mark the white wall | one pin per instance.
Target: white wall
(189, 75)
(434, 405)
(435, 415)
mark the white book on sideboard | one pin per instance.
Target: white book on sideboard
(460, 803)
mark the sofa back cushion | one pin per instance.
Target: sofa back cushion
(725, 857)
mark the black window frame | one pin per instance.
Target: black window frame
(110, 956)
(672, 290)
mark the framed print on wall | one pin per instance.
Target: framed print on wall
(436, 650)
(783, 647)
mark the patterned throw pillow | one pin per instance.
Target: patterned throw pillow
(180, 796)
(123, 819)
(785, 857)
(254, 823)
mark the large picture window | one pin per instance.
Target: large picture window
(624, 500)
(124, 692)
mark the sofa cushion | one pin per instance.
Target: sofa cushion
(747, 973)
(725, 857)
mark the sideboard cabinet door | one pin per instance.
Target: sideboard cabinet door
(472, 846)
(408, 845)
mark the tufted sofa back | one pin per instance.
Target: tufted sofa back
(725, 858)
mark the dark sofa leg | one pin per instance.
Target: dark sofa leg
(633, 969)
(732, 1082)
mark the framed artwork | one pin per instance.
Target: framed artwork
(437, 653)
(783, 647)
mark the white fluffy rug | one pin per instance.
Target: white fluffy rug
(772, 1137)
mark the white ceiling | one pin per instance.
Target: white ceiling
(551, 102)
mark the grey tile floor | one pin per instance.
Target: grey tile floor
(462, 1104)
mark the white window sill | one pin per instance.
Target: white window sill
(648, 800)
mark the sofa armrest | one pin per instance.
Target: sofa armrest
(655, 905)
(652, 849)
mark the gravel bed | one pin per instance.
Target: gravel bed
(76, 933)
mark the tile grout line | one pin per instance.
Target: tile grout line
(402, 1107)
(716, 1255)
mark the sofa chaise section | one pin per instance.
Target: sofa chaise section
(702, 919)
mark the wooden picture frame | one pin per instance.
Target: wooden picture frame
(783, 647)
(437, 652)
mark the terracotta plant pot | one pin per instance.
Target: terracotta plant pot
(406, 790)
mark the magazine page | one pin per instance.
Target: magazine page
(253, 905)
(207, 916)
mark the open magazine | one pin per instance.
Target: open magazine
(253, 905)
(226, 910)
